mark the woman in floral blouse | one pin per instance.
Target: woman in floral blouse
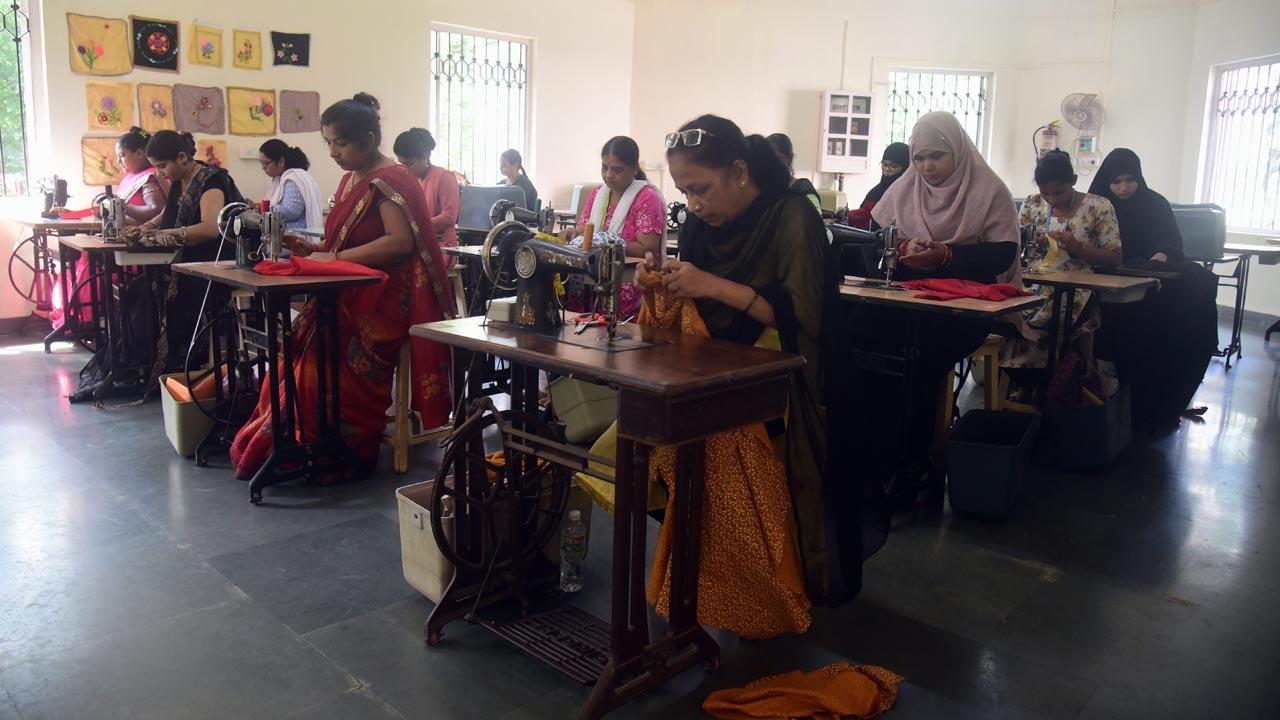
(1079, 232)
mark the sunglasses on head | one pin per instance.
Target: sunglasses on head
(689, 138)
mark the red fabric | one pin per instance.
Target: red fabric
(76, 214)
(366, 295)
(953, 288)
(861, 217)
(413, 292)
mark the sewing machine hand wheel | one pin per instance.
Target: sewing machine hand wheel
(490, 501)
(502, 272)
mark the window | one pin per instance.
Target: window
(1242, 161)
(913, 93)
(480, 100)
(15, 100)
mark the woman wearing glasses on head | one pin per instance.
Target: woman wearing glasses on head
(293, 191)
(752, 255)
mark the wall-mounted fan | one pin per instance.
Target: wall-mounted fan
(1084, 112)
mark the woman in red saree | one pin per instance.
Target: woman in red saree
(381, 221)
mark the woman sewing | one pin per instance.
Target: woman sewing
(1080, 232)
(511, 165)
(955, 220)
(753, 258)
(893, 163)
(380, 221)
(293, 191)
(141, 188)
(438, 185)
(786, 152)
(1163, 344)
(189, 224)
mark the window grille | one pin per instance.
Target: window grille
(1242, 160)
(15, 86)
(480, 101)
(913, 93)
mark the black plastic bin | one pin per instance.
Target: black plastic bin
(987, 454)
(1089, 437)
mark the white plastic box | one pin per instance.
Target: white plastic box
(425, 569)
(184, 424)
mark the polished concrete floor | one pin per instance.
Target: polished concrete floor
(135, 585)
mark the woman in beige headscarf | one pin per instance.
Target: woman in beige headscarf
(956, 220)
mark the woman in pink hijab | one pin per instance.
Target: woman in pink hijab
(956, 220)
(948, 199)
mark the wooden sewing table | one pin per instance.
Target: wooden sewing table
(677, 390)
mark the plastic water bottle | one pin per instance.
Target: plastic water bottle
(573, 548)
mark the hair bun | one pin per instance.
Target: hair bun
(367, 99)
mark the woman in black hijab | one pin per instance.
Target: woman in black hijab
(894, 162)
(1163, 344)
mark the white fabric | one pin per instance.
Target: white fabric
(600, 206)
(310, 190)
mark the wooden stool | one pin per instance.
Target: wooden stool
(403, 436)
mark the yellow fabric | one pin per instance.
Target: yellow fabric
(213, 152)
(98, 46)
(155, 107)
(246, 49)
(839, 690)
(750, 580)
(206, 45)
(109, 106)
(251, 111)
(99, 163)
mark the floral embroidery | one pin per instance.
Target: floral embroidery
(158, 109)
(158, 43)
(210, 157)
(261, 109)
(207, 49)
(90, 52)
(108, 167)
(204, 104)
(298, 114)
(110, 112)
(246, 52)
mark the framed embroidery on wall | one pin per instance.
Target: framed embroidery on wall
(246, 49)
(155, 44)
(299, 111)
(199, 109)
(206, 45)
(155, 108)
(213, 152)
(100, 166)
(99, 46)
(291, 49)
(109, 105)
(252, 111)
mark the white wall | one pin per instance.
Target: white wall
(379, 47)
(764, 64)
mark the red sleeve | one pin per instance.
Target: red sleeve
(861, 217)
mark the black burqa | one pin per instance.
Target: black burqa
(898, 153)
(1162, 345)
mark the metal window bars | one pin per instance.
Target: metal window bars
(480, 94)
(1242, 161)
(913, 93)
(13, 104)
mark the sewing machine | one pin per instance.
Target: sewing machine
(111, 214)
(55, 196)
(845, 236)
(505, 209)
(516, 257)
(259, 236)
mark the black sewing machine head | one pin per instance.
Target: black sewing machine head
(514, 256)
(504, 210)
(55, 196)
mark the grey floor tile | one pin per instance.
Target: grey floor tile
(473, 674)
(323, 576)
(53, 601)
(356, 705)
(231, 660)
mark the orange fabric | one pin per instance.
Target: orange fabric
(204, 390)
(749, 576)
(839, 690)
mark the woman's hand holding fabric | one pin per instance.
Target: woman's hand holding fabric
(322, 256)
(1067, 242)
(684, 279)
(298, 245)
